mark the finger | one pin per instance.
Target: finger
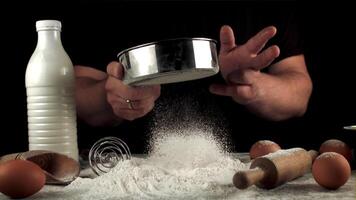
(265, 58)
(128, 114)
(156, 91)
(240, 77)
(242, 94)
(114, 85)
(131, 114)
(221, 89)
(227, 39)
(145, 105)
(115, 69)
(132, 105)
(118, 88)
(257, 42)
(139, 93)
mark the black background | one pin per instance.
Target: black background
(329, 50)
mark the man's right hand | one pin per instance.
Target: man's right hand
(128, 102)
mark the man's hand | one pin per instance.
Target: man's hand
(280, 94)
(128, 102)
(240, 65)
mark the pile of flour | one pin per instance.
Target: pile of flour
(187, 157)
(178, 167)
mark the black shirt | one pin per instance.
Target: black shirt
(93, 32)
(98, 32)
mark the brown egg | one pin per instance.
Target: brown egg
(331, 170)
(21, 178)
(337, 146)
(263, 147)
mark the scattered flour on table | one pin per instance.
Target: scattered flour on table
(179, 167)
(184, 177)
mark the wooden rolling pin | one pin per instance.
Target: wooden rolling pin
(275, 169)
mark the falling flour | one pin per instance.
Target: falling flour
(179, 167)
(187, 157)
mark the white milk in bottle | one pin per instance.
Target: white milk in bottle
(50, 88)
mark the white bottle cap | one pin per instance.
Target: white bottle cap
(48, 25)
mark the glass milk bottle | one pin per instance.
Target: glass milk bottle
(50, 88)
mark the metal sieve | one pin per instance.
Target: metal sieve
(169, 61)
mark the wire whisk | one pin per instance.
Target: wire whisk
(106, 153)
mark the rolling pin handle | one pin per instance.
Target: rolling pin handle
(244, 179)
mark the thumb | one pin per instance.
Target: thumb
(115, 69)
(227, 39)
